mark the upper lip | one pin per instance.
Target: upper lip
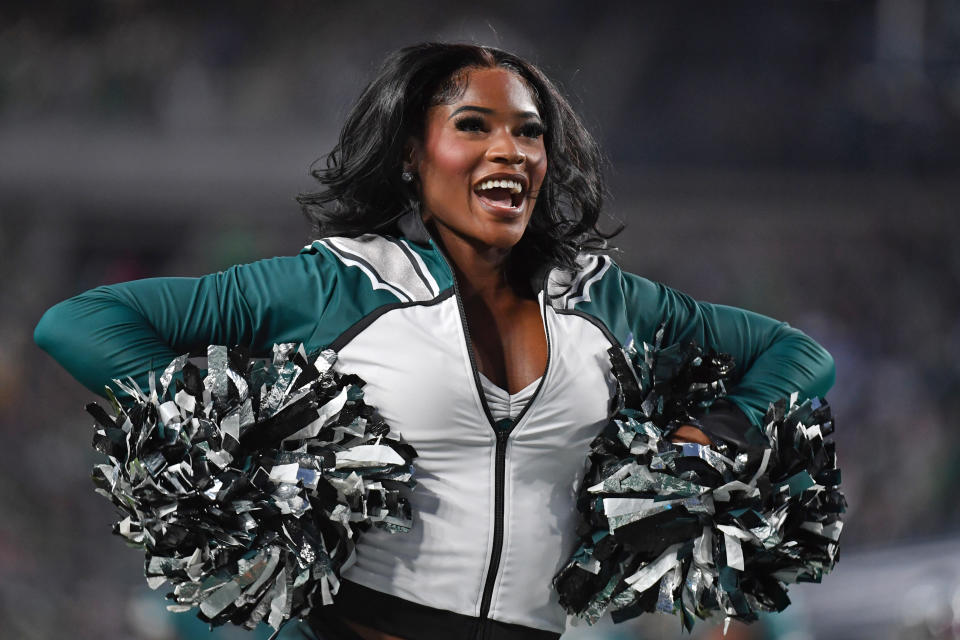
(518, 177)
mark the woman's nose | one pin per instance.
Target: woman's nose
(505, 150)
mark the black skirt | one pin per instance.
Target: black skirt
(409, 620)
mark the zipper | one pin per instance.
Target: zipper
(502, 430)
(504, 427)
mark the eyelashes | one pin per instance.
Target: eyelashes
(470, 123)
(531, 130)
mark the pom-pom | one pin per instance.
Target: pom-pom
(248, 488)
(698, 530)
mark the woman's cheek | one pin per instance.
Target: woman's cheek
(453, 160)
(452, 171)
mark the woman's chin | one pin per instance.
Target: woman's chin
(503, 236)
(497, 233)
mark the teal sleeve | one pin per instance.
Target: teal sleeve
(128, 329)
(773, 359)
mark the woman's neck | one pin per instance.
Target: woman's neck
(481, 270)
(506, 330)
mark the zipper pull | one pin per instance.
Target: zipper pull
(503, 426)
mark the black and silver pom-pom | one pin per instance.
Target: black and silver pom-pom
(248, 487)
(698, 530)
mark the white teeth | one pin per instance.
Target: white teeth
(513, 185)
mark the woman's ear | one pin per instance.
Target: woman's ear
(411, 155)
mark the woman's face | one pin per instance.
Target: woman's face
(482, 160)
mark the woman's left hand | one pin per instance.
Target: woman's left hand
(689, 433)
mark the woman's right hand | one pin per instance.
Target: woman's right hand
(689, 433)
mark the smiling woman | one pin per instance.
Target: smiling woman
(364, 189)
(459, 271)
(482, 161)
(481, 164)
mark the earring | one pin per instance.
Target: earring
(406, 176)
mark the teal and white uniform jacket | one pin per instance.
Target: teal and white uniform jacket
(494, 508)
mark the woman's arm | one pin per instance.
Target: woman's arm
(130, 328)
(772, 358)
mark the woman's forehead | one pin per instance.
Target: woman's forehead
(492, 87)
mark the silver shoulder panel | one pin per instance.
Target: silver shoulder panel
(389, 263)
(567, 289)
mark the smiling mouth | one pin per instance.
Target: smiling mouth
(502, 194)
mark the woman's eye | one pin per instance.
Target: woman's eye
(533, 130)
(470, 124)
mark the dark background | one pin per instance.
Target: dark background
(796, 158)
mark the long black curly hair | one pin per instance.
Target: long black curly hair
(362, 187)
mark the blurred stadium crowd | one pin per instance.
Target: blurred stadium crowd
(798, 159)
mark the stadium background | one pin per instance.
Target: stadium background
(799, 159)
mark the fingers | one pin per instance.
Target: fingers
(689, 433)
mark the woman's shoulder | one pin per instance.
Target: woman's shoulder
(412, 272)
(592, 271)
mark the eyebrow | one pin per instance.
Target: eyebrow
(485, 110)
